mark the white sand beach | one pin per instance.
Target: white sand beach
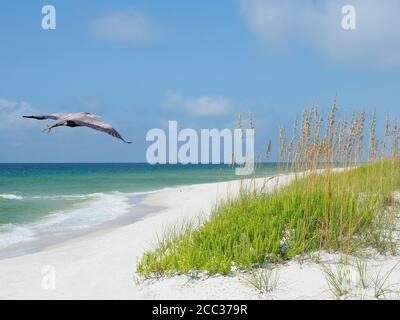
(102, 264)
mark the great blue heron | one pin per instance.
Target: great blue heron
(81, 119)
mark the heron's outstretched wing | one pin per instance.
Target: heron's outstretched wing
(92, 121)
(53, 116)
(80, 116)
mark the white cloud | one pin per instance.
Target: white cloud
(284, 24)
(6, 104)
(203, 106)
(11, 113)
(131, 27)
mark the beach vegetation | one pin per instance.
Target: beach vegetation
(356, 280)
(264, 280)
(341, 197)
(381, 286)
(338, 278)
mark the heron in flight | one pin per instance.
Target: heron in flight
(81, 119)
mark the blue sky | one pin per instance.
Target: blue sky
(139, 64)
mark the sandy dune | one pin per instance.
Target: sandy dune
(101, 265)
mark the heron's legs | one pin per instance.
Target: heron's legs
(49, 127)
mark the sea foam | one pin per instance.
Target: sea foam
(10, 197)
(11, 234)
(101, 208)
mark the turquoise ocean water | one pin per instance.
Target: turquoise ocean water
(43, 199)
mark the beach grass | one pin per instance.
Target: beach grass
(322, 208)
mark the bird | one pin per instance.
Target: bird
(80, 119)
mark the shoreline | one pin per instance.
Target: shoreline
(110, 254)
(136, 212)
(102, 263)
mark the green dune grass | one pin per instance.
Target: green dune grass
(322, 210)
(331, 211)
